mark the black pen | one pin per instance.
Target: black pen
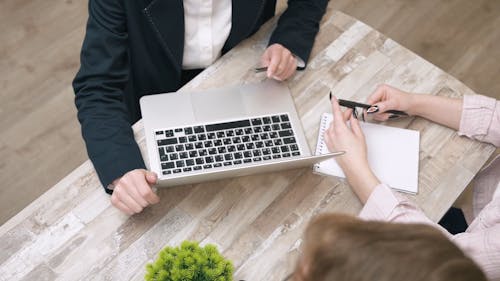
(353, 104)
(260, 69)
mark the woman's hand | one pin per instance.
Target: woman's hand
(340, 137)
(386, 98)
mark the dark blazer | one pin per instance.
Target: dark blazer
(134, 48)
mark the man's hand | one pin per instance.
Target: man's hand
(132, 192)
(280, 62)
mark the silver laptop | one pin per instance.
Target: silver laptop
(227, 132)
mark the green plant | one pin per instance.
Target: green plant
(190, 262)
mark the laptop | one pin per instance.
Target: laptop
(198, 136)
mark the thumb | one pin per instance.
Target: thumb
(151, 177)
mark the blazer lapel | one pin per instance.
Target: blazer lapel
(167, 20)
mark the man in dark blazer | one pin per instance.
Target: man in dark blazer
(134, 48)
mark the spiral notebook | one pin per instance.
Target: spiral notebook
(393, 154)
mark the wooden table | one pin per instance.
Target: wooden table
(73, 233)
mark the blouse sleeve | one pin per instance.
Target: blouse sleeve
(481, 119)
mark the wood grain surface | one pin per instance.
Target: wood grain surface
(72, 232)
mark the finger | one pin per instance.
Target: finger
(378, 95)
(292, 67)
(273, 63)
(120, 206)
(265, 58)
(347, 114)
(151, 177)
(381, 117)
(140, 191)
(126, 199)
(356, 128)
(284, 62)
(338, 119)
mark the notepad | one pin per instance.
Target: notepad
(393, 154)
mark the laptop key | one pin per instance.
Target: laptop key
(207, 166)
(179, 164)
(188, 169)
(286, 133)
(212, 151)
(178, 130)
(209, 159)
(182, 139)
(286, 125)
(211, 136)
(169, 148)
(167, 165)
(199, 161)
(266, 151)
(259, 144)
(285, 148)
(289, 140)
(183, 155)
(227, 164)
(202, 137)
(176, 171)
(164, 158)
(296, 153)
(199, 129)
(237, 162)
(247, 154)
(294, 147)
(275, 150)
(192, 138)
(179, 147)
(174, 156)
(228, 156)
(276, 156)
(240, 147)
(167, 141)
(219, 158)
(228, 125)
(216, 165)
(169, 133)
(269, 143)
(197, 168)
(188, 130)
(238, 155)
(189, 162)
(167, 172)
(221, 135)
(286, 155)
(257, 159)
(256, 121)
(266, 120)
(267, 157)
(231, 148)
(193, 153)
(276, 119)
(247, 160)
(202, 152)
(284, 118)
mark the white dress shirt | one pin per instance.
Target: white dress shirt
(207, 24)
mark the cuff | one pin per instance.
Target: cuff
(477, 115)
(380, 204)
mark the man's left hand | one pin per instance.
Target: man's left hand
(280, 62)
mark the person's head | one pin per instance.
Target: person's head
(340, 247)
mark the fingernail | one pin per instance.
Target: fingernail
(394, 116)
(372, 109)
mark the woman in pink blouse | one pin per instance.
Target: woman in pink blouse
(476, 117)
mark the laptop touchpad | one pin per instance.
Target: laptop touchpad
(216, 105)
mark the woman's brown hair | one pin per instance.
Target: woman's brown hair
(340, 247)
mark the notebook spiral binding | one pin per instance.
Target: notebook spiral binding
(321, 143)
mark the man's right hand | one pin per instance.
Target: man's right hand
(133, 192)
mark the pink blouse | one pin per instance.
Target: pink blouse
(481, 241)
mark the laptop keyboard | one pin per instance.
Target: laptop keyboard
(233, 143)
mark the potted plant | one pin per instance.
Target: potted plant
(190, 262)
